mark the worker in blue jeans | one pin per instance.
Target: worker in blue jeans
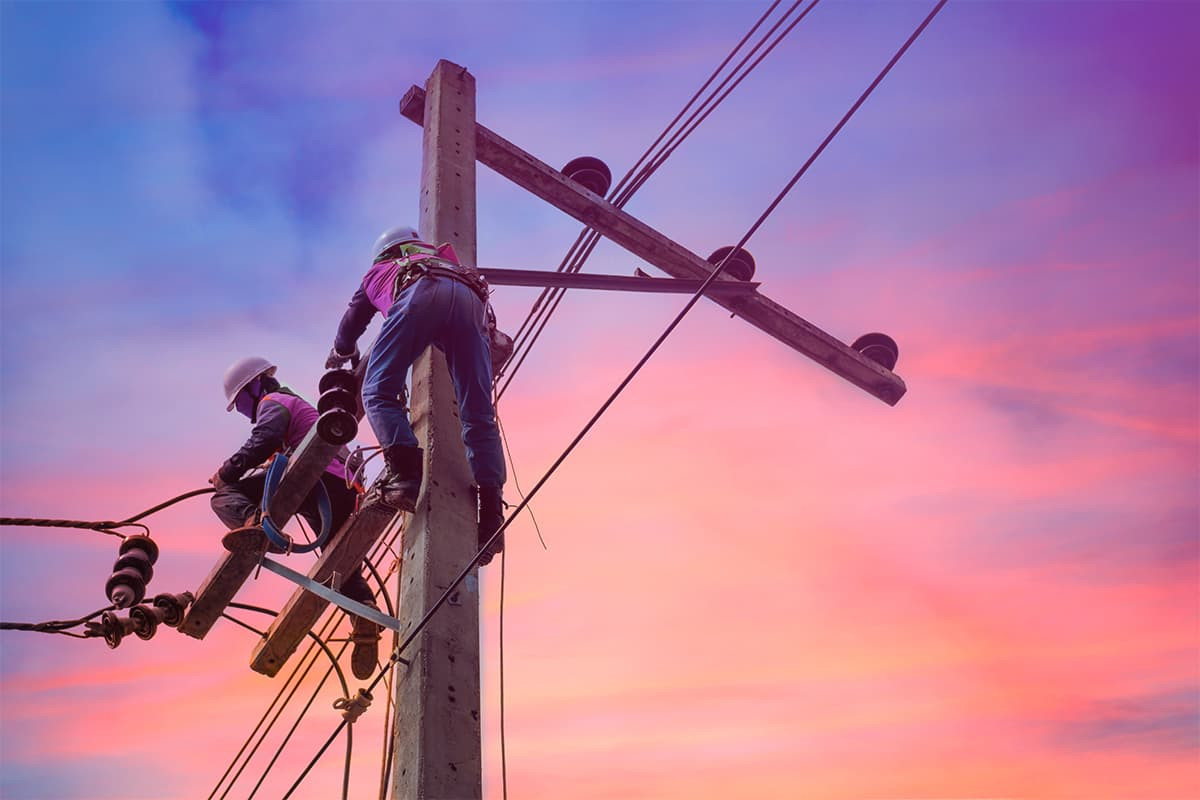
(427, 298)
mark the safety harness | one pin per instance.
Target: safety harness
(416, 260)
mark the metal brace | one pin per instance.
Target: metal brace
(337, 598)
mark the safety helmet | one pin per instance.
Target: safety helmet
(241, 372)
(394, 236)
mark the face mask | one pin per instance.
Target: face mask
(246, 401)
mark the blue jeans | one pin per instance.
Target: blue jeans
(445, 312)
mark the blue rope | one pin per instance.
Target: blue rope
(274, 475)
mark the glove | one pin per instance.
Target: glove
(336, 359)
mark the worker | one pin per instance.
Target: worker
(281, 419)
(426, 298)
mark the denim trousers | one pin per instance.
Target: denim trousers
(438, 311)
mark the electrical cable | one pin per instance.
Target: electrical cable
(695, 298)
(103, 526)
(329, 623)
(55, 626)
(345, 691)
(517, 483)
(692, 301)
(503, 745)
(621, 196)
(570, 254)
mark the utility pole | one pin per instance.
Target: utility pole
(438, 755)
(437, 741)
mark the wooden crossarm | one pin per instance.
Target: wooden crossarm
(677, 261)
(343, 555)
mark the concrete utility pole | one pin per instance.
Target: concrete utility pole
(438, 754)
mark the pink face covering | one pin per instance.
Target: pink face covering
(246, 401)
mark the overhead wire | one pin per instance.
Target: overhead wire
(345, 690)
(327, 626)
(692, 301)
(107, 527)
(622, 194)
(56, 626)
(539, 314)
(569, 261)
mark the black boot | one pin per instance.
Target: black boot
(364, 660)
(491, 517)
(400, 484)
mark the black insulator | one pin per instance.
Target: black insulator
(337, 426)
(338, 379)
(173, 607)
(145, 620)
(740, 265)
(135, 559)
(140, 542)
(335, 398)
(590, 173)
(879, 347)
(125, 587)
(113, 627)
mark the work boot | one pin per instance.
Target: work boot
(491, 517)
(365, 658)
(400, 484)
(245, 538)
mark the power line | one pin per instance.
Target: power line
(56, 626)
(345, 689)
(568, 261)
(620, 196)
(327, 627)
(695, 298)
(107, 527)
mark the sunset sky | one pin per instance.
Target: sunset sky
(759, 581)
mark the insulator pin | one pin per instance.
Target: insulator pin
(140, 542)
(740, 265)
(173, 607)
(338, 379)
(146, 620)
(114, 628)
(589, 172)
(879, 347)
(335, 398)
(125, 587)
(132, 571)
(337, 426)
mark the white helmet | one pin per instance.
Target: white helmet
(394, 236)
(241, 372)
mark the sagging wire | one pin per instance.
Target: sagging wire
(517, 483)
